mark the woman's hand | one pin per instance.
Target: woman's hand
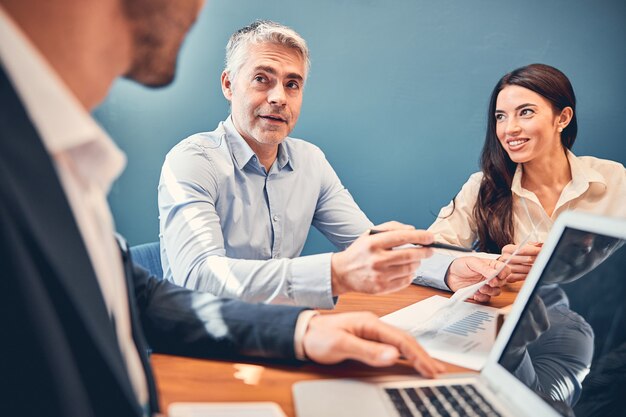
(469, 270)
(523, 260)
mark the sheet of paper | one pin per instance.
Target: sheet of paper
(236, 409)
(462, 336)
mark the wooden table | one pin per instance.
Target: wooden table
(200, 380)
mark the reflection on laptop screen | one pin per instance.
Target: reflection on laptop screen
(569, 345)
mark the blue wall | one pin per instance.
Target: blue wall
(396, 97)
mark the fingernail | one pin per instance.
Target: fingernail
(388, 355)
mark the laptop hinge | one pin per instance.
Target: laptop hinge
(495, 388)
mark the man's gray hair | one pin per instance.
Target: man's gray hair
(262, 31)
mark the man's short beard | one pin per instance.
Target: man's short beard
(158, 30)
(151, 69)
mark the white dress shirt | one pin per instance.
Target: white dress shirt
(87, 162)
(233, 229)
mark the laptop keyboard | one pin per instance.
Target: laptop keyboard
(440, 401)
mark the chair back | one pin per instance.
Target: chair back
(148, 255)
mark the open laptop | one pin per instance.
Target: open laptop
(561, 351)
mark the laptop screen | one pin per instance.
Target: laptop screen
(569, 345)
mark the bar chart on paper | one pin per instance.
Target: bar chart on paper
(462, 336)
(474, 323)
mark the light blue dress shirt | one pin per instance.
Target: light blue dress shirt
(230, 228)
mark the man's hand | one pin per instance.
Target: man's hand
(469, 270)
(370, 265)
(521, 263)
(332, 338)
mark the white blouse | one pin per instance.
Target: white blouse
(598, 186)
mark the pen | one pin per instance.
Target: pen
(436, 245)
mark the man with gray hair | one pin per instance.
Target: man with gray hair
(236, 204)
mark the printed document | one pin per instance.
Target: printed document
(462, 335)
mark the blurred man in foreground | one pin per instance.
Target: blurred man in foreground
(77, 315)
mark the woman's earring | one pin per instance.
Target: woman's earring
(560, 129)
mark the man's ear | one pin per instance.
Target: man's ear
(227, 86)
(565, 117)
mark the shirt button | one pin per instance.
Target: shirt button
(275, 218)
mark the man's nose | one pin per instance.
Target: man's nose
(277, 95)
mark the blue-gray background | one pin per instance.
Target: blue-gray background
(396, 98)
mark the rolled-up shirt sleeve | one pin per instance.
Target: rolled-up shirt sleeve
(432, 271)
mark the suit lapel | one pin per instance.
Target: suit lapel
(138, 335)
(43, 210)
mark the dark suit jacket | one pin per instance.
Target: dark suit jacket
(59, 354)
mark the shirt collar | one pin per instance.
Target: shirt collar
(239, 148)
(242, 153)
(582, 178)
(582, 174)
(284, 159)
(62, 122)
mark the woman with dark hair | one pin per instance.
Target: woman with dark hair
(528, 174)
